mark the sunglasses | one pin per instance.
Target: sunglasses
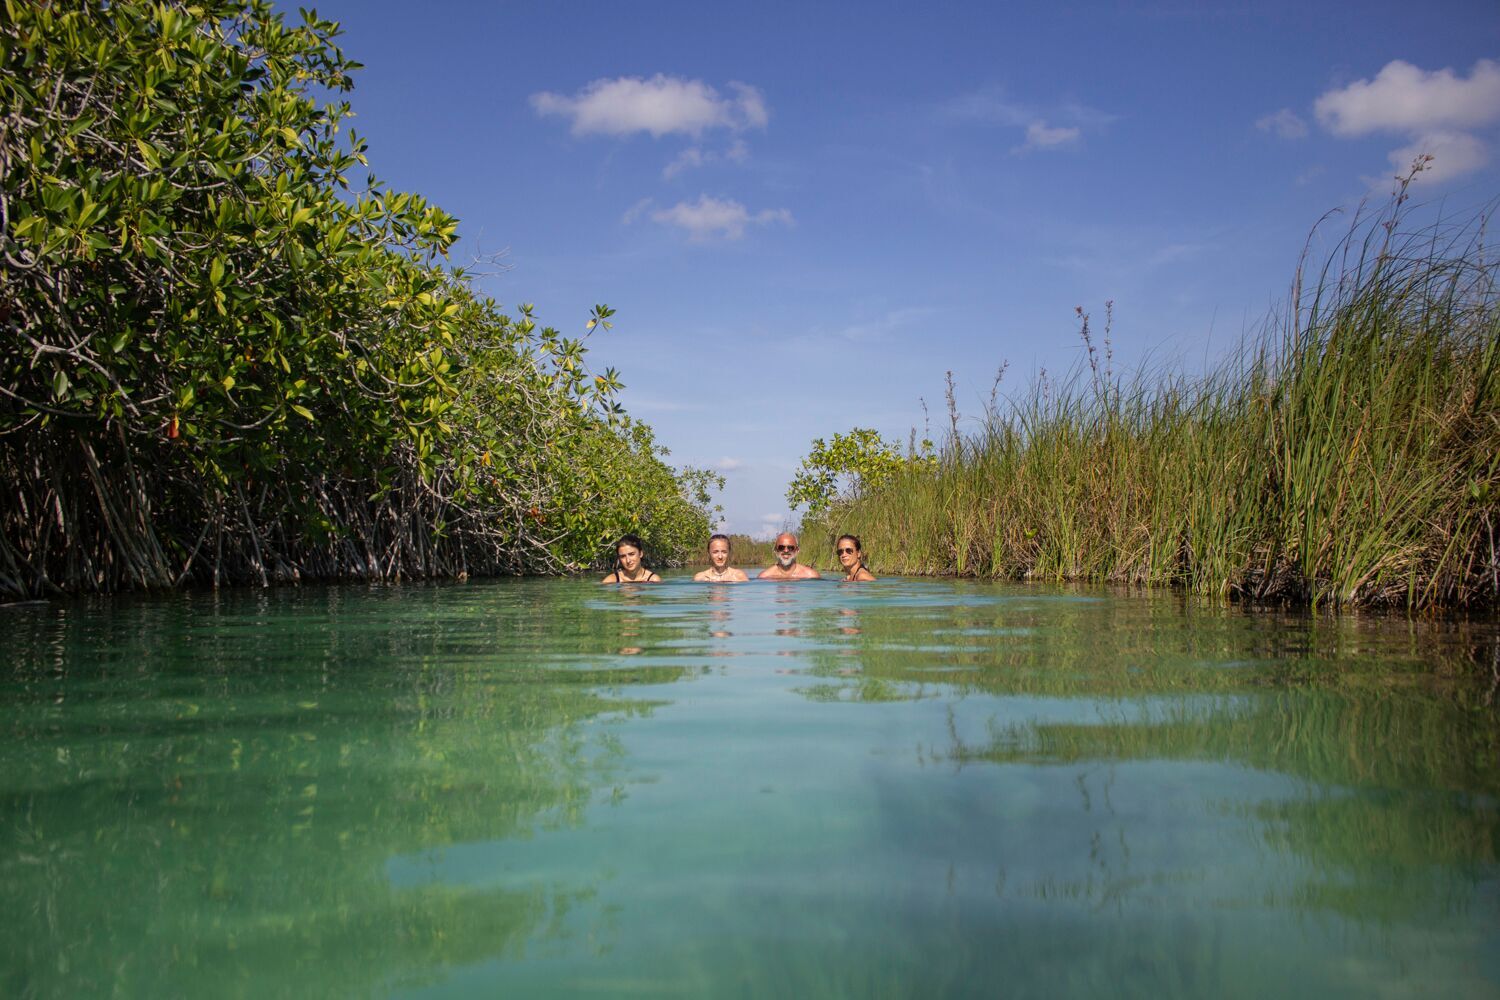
(845, 551)
(786, 548)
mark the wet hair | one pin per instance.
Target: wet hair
(858, 548)
(720, 537)
(634, 541)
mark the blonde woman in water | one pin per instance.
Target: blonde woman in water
(719, 570)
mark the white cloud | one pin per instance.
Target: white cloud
(1286, 123)
(696, 156)
(688, 159)
(772, 525)
(1172, 252)
(727, 464)
(750, 105)
(1084, 116)
(992, 106)
(710, 217)
(1453, 155)
(1040, 135)
(1311, 173)
(660, 105)
(892, 322)
(1429, 107)
(636, 211)
(1404, 98)
(989, 106)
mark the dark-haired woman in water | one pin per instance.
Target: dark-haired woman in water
(852, 558)
(628, 567)
(719, 570)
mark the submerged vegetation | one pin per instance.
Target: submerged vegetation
(223, 360)
(1349, 456)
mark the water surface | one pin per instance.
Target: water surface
(907, 788)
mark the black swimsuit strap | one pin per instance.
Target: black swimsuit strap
(620, 574)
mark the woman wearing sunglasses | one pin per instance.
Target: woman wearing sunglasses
(852, 558)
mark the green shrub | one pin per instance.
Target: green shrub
(224, 359)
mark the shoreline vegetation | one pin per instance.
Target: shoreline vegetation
(1348, 456)
(231, 356)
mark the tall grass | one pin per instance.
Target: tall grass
(1349, 454)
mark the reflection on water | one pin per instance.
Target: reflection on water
(901, 788)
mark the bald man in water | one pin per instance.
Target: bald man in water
(787, 567)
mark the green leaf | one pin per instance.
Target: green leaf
(148, 153)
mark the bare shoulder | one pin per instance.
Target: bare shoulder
(808, 573)
(612, 578)
(700, 577)
(738, 576)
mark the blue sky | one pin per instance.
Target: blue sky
(806, 214)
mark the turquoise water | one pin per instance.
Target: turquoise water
(907, 788)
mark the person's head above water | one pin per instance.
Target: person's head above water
(718, 551)
(628, 552)
(719, 570)
(624, 546)
(786, 567)
(786, 549)
(852, 557)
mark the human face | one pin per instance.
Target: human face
(786, 550)
(630, 558)
(718, 553)
(847, 552)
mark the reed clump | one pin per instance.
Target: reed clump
(1348, 455)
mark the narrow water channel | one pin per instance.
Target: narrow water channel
(909, 788)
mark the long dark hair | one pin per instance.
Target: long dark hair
(634, 541)
(859, 552)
